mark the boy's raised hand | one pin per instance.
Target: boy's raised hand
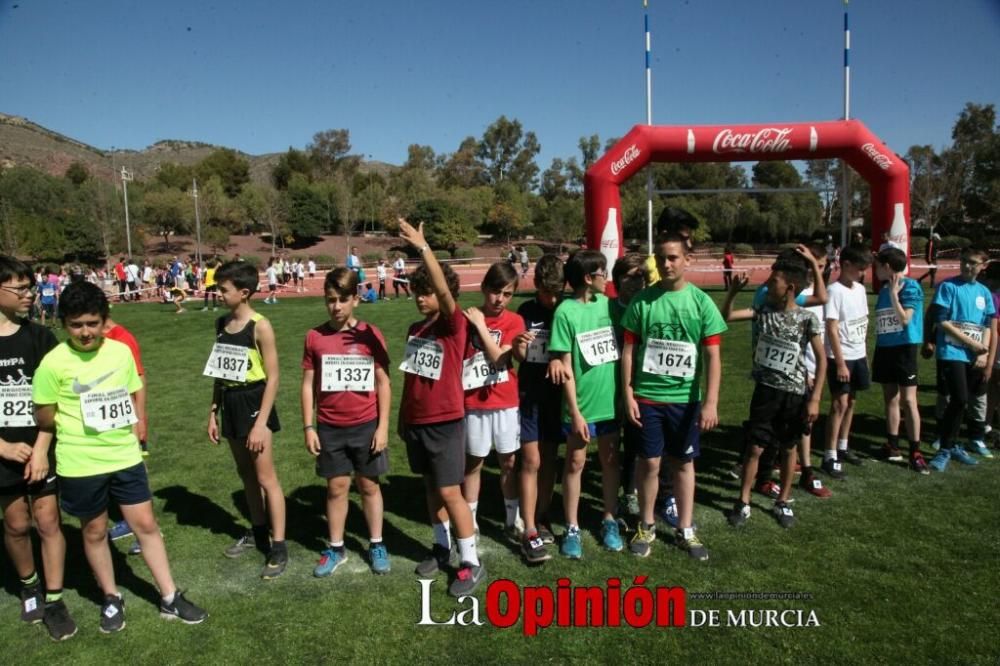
(806, 253)
(413, 236)
(739, 281)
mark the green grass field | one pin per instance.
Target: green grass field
(900, 568)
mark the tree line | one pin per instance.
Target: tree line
(489, 185)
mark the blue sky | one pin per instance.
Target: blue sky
(262, 76)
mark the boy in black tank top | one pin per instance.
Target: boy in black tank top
(244, 363)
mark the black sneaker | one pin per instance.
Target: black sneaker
(112, 614)
(533, 548)
(276, 562)
(242, 545)
(739, 515)
(439, 560)
(182, 609)
(32, 604)
(467, 580)
(545, 531)
(834, 468)
(783, 513)
(849, 457)
(58, 621)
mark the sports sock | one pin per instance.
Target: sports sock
(512, 507)
(914, 446)
(52, 596)
(442, 534)
(337, 545)
(841, 444)
(168, 600)
(279, 547)
(31, 580)
(829, 455)
(262, 537)
(374, 540)
(893, 440)
(467, 550)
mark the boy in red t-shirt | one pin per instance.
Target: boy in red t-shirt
(345, 381)
(432, 416)
(491, 398)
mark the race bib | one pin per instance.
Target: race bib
(970, 331)
(229, 362)
(423, 357)
(887, 322)
(598, 346)
(670, 357)
(16, 407)
(48, 291)
(538, 349)
(107, 410)
(776, 354)
(857, 329)
(347, 372)
(478, 372)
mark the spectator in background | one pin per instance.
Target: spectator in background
(930, 256)
(132, 279)
(352, 260)
(523, 256)
(312, 267)
(121, 279)
(728, 261)
(399, 277)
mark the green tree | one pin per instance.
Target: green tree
(267, 209)
(420, 157)
(77, 173)
(463, 168)
(178, 176)
(292, 162)
(230, 166)
(508, 152)
(444, 226)
(167, 212)
(308, 213)
(329, 152)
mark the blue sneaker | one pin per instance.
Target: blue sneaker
(962, 456)
(939, 463)
(668, 511)
(328, 563)
(979, 447)
(571, 545)
(378, 556)
(611, 536)
(119, 530)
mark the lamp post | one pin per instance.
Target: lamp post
(197, 221)
(126, 178)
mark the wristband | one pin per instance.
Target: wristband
(424, 248)
(308, 427)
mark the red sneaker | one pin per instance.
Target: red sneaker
(770, 489)
(815, 487)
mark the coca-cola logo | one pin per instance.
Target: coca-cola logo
(631, 153)
(878, 158)
(764, 140)
(609, 243)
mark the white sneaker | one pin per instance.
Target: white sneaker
(936, 445)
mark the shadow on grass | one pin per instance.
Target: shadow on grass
(199, 511)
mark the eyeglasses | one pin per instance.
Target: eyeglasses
(599, 273)
(971, 263)
(26, 290)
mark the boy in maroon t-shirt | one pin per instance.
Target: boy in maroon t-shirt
(432, 416)
(345, 380)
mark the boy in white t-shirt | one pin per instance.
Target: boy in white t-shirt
(272, 281)
(808, 481)
(847, 370)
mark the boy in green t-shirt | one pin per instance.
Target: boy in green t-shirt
(83, 392)
(672, 330)
(583, 336)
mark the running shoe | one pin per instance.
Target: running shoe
(939, 463)
(834, 469)
(112, 614)
(849, 457)
(962, 456)
(629, 505)
(136, 548)
(979, 447)
(58, 621)
(572, 547)
(276, 562)
(242, 545)
(119, 530)
(768, 488)
(513, 533)
(689, 542)
(918, 464)
(610, 536)
(32, 604)
(378, 557)
(182, 609)
(812, 485)
(330, 559)
(891, 453)
(641, 544)
(739, 515)
(533, 548)
(736, 471)
(439, 560)
(784, 515)
(467, 579)
(936, 445)
(545, 531)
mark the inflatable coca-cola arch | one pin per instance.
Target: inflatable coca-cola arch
(887, 174)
